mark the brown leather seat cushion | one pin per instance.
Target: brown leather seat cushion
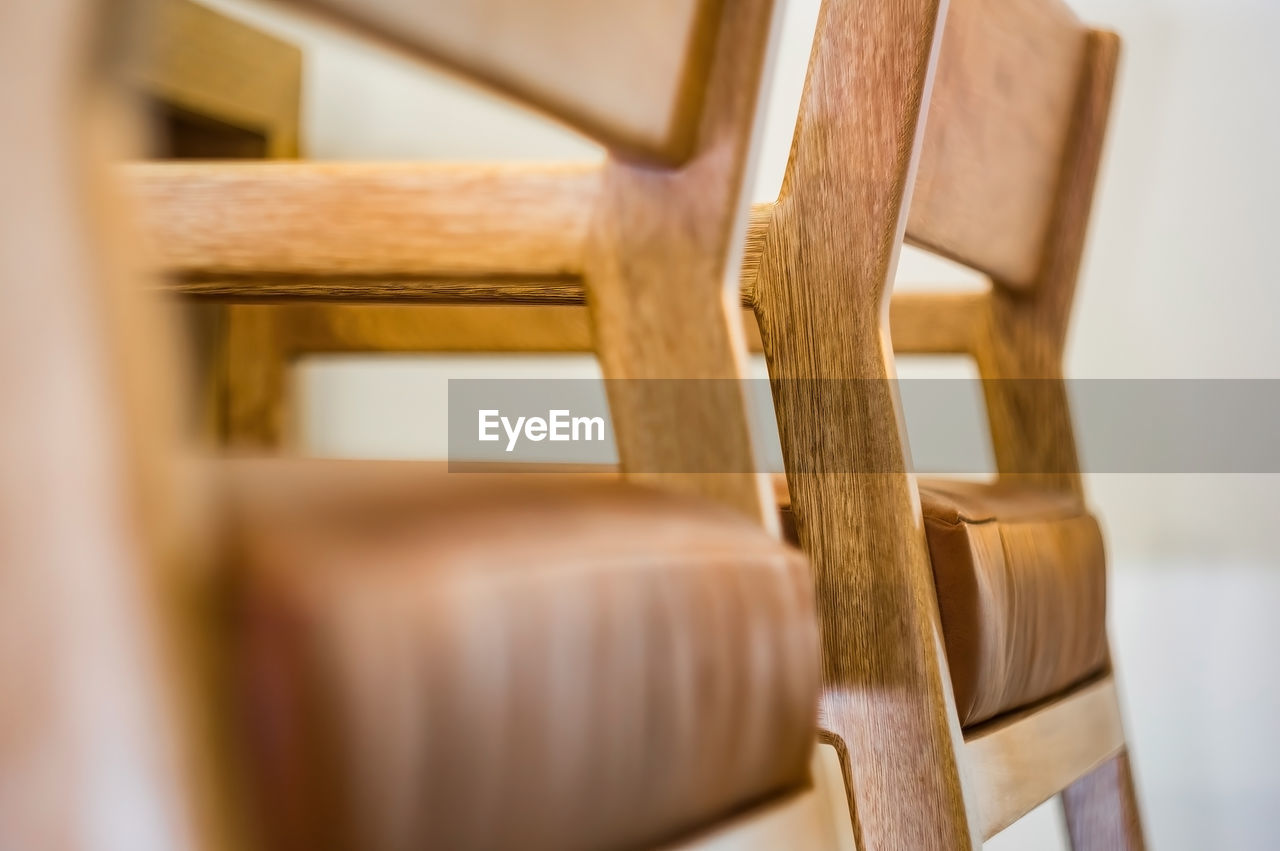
(1021, 582)
(521, 661)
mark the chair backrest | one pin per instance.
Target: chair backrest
(1008, 119)
(999, 123)
(1011, 150)
(631, 74)
(672, 84)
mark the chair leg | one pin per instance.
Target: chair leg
(1102, 809)
(257, 374)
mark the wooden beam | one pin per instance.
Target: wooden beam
(429, 232)
(924, 323)
(306, 221)
(424, 234)
(1019, 762)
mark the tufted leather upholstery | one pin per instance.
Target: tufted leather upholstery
(519, 661)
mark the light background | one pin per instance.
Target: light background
(1178, 282)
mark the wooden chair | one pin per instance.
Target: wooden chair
(936, 750)
(966, 668)
(310, 655)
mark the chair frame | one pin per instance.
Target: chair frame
(914, 777)
(138, 605)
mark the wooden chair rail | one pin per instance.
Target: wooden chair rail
(1019, 762)
(324, 220)
(923, 323)
(424, 234)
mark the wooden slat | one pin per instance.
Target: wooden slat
(572, 58)
(937, 323)
(421, 328)
(331, 220)
(432, 328)
(431, 232)
(997, 131)
(279, 232)
(1018, 763)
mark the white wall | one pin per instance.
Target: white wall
(1178, 282)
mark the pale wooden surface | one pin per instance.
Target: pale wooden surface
(937, 323)
(328, 220)
(380, 231)
(931, 325)
(572, 58)
(816, 819)
(998, 124)
(826, 271)
(1018, 762)
(661, 276)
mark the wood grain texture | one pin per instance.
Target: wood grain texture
(825, 275)
(927, 323)
(661, 277)
(356, 219)
(571, 58)
(374, 289)
(1018, 762)
(355, 232)
(216, 67)
(1102, 809)
(999, 123)
(1022, 346)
